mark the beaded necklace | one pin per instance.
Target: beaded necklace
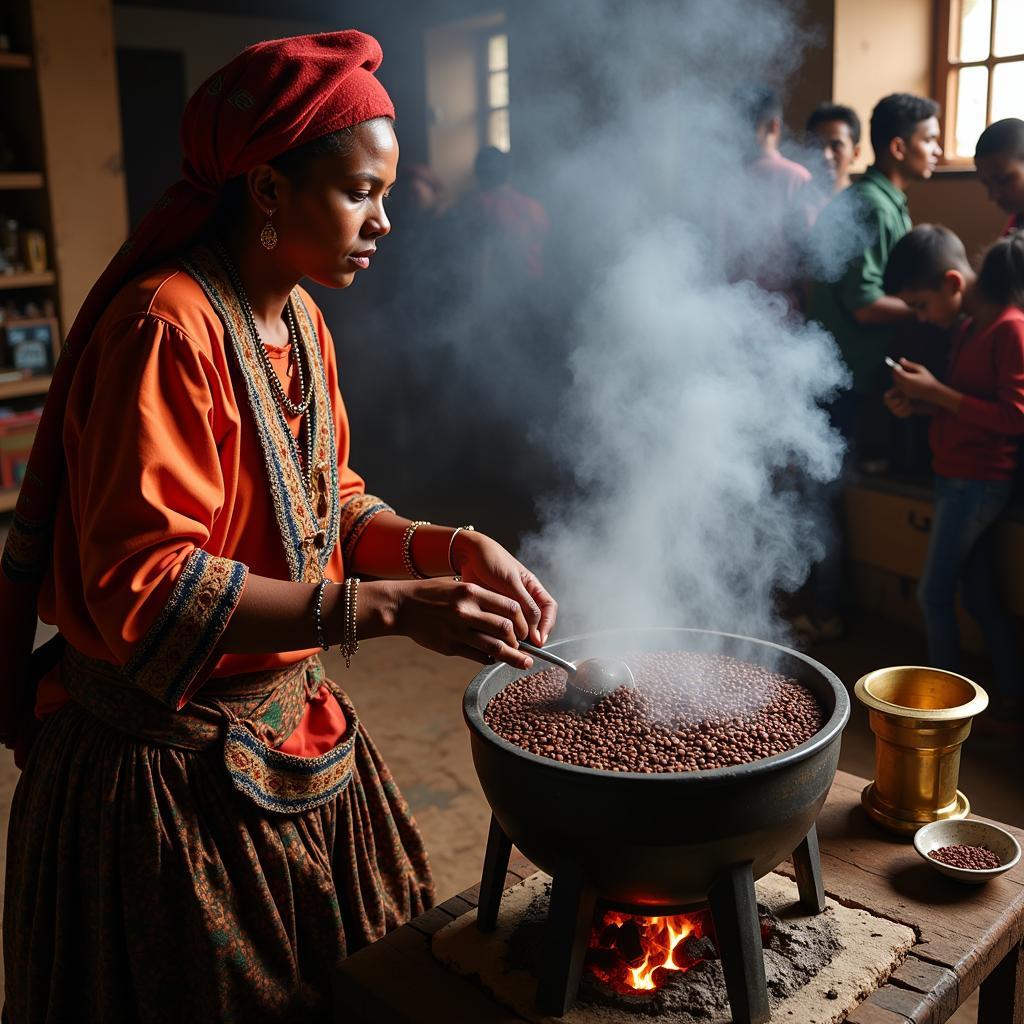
(296, 356)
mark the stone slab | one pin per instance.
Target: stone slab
(871, 949)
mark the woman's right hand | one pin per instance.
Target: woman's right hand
(458, 618)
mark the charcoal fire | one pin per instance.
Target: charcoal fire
(630, 954)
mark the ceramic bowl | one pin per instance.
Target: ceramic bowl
(967, 832)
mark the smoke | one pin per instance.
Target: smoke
(692, 421)
(692, 418)
(672, 413)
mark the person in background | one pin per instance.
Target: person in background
(786, 179)
(834, 130)
(999, 159)
(773, 206)
(977, 417)
(501, 231)
(407, 290)
(426, 190)
(856, 310)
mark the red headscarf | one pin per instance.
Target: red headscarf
(271, 98)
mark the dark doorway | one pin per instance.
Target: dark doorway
(152, 87)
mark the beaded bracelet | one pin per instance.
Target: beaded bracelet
(451, 545)
(410, 566)
(318, 614)
(350, 641)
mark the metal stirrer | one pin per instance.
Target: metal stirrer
(590, 680)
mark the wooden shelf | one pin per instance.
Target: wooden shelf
(39, 280)
(15, 60)
(25, 386)
(20, 180)
(8, 499)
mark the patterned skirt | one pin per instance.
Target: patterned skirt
(143, 886)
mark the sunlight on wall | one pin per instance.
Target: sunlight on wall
(880, 47)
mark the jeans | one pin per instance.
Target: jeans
(961, 552)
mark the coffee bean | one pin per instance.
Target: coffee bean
(961, 856)
(688, 712)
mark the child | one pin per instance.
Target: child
(999, 158)
(855, 309)
(978, 414)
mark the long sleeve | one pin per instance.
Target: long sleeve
(146, 491)
(1005, 415)
(861, 284)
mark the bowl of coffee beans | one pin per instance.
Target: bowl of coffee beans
(967, 850)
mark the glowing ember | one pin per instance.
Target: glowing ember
(635, 954)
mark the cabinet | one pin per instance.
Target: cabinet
(26, 289)
(888, 529)
(61, 176)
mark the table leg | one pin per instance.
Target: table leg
(1002, 992)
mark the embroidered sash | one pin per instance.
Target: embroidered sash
(261, 709)
(306, 505)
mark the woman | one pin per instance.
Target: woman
(203, 830)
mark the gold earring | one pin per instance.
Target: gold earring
(268, 236)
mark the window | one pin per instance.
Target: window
(980, 68)
(495, 105)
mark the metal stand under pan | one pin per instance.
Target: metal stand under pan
(733, 904)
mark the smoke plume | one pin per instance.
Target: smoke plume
(691, 422)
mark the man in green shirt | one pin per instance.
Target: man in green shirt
(853, 306)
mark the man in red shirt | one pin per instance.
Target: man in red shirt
(506, 228)
(776, 201)
(978, 416)
(999, 158)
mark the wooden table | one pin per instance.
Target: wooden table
(968, 936)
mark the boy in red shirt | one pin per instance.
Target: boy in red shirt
(978, 414)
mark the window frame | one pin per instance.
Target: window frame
(946, 82)
(483, 80)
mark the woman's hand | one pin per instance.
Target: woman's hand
(479, 559)
(460, 618)
(898, 404)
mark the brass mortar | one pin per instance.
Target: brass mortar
(920, 717)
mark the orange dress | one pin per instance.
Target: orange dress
(164, 461)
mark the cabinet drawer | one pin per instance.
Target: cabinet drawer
(891, 532)
(888, 531)
(1010, 562)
